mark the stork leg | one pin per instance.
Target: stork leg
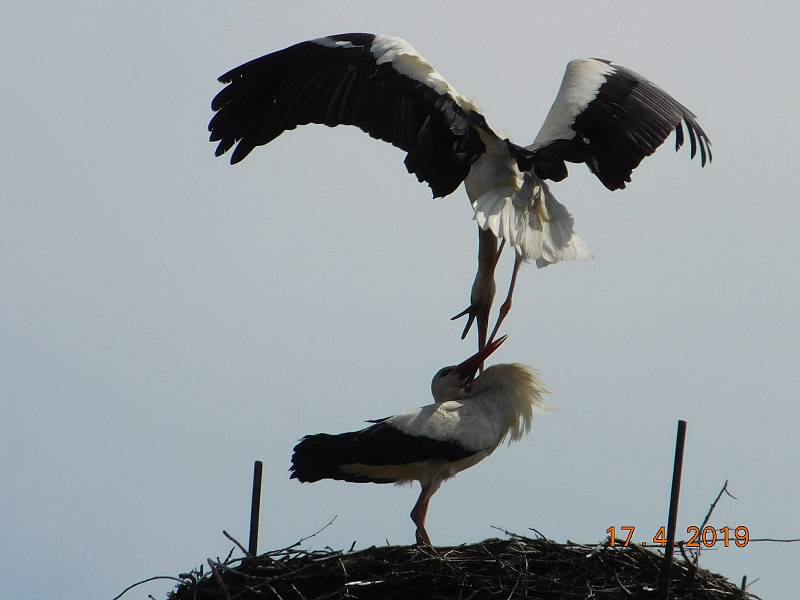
(483, 288)
(506, 306)
(419, 511)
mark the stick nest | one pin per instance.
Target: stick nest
(518, 567)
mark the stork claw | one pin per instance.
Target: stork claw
(476, 313)
(422, 537)
(467, 311)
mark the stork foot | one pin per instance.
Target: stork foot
(477, 312)
(422, 537)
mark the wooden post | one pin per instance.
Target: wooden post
(666, 570)
(255, 504)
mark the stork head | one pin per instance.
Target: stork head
(451, 383)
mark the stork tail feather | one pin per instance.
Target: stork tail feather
(537, 226)
(322, 456)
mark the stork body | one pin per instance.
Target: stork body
(464, 425)
(604, 115)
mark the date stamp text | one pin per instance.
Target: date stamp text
(707, 537)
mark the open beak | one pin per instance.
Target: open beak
(469, 367)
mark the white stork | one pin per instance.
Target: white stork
(468, 420)
(604, 115)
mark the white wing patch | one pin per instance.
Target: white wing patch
(582, 81)
(407, 61)
(464, 423)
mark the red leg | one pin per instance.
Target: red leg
(505, 308)
(483, 288)
(418, 514)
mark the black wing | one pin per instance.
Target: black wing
(610, 118)
(321, 456)
(338, 80)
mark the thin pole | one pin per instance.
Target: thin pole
(666, 570)
(255, 504)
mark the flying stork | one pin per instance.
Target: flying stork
(603, 115)
(467, 421)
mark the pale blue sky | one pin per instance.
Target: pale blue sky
(166, 318)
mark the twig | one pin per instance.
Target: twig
(537, 532)
(714, 503)
(274, 591)
(517, 536)
(624, 589)
(681, 547)
(296, 591)
(708, 516)
(303, 539)
(218, 577)
(130, 587)
(235, 541)
(514, 589)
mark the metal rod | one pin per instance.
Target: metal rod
(666, 570)
(255, 504)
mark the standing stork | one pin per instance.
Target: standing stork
(604, 115)
(468, 420)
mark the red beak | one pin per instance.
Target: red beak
(469, 367)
